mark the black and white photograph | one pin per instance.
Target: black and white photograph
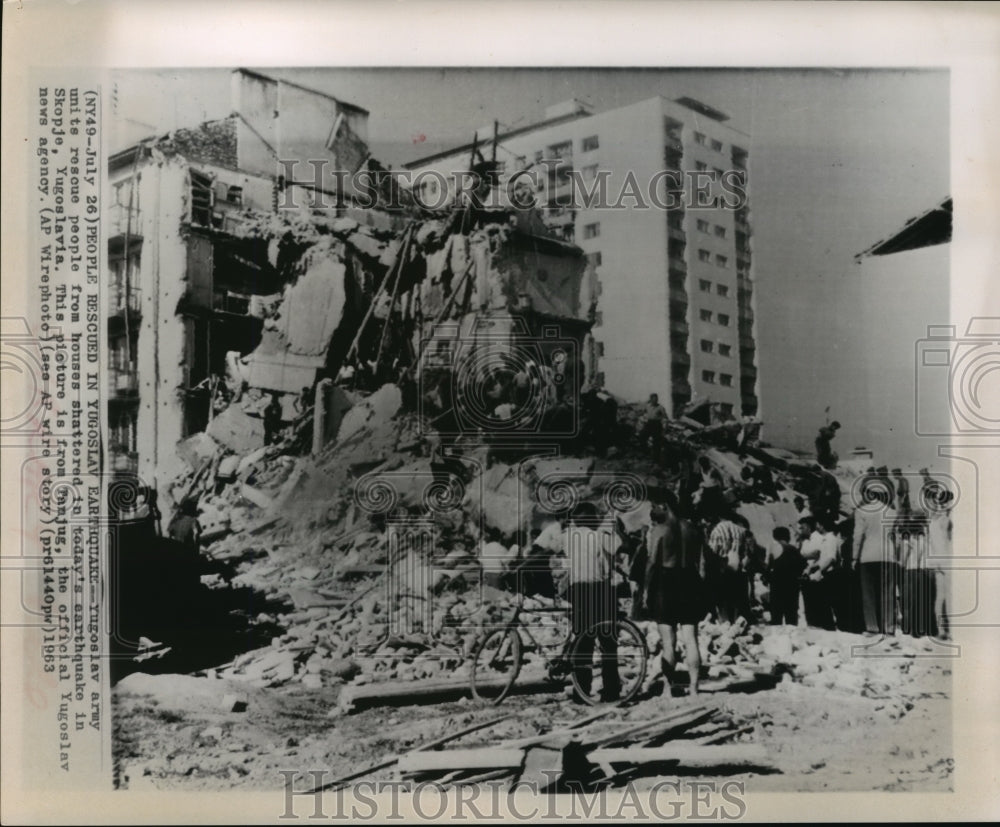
(604, 438)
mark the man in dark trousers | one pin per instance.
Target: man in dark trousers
(825, 454)
(673, 592)
(592, 600)
(784, 568)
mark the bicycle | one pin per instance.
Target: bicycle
(499, 655)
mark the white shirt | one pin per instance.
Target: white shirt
(820, 552)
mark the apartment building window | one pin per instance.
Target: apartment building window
(590, 143)
(599, 349)
(595, 258)
(675, 221)
(725, 350)
(722, 290)
(708, 376)
(705, 285)
(726, 409)
(561, 150)
(705, 315)
(724, 320)
(592, 230)
(706, 346)
(704, 255)
(702, 225)
(598, 318)
(721, 261)
(701, 166)
(720, 232)
(700, 138)
(717, 146)
(726, 379)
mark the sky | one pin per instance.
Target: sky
(839, 159)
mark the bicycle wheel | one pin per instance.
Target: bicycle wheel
(496, 663)
(613, 651)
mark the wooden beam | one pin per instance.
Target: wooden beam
(481, 758)
(388, 762)
(430, 691)
(687, 755)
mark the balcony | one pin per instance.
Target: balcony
(123, 382)
(678, 295)
(680, 388)
(119, 225)
(747, 343)
(121, 301)
(677, 234)
(673, 144)
(679, 326)
(748, 372)
(123, 460)
(681, 358)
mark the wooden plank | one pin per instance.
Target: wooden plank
(480, 758)
(688, 755)
(572, 729)
(388, 762)
(719, 737)
(418, 692)
(677, 717)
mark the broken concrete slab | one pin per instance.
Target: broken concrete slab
(237, 430)
(372, 411)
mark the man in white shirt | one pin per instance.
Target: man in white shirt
(589, 555)
(819, 551)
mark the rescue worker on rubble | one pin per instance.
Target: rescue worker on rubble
(651, 431)
(825, 455)
(272, 420)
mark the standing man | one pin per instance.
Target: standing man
(730, 545)
(592, 599)
(272, 420)
(673, 588)
(875, 561)
(902, 488)
(784, 567)
(939, 550)
(825, 455)
(824, 499)
(819, 552)
(653, 421)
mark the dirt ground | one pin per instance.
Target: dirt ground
(177, 732)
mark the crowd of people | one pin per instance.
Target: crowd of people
(881, 570)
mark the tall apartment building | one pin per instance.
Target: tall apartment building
(676, 308)
(184, 287)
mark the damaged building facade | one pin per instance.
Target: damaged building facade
(227, 295)
(184, 287)
(677, 302)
